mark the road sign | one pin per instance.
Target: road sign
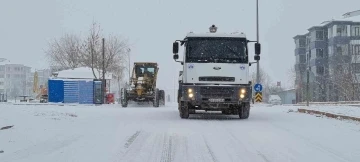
(258, 97)
(258, 87)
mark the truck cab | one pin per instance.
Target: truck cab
(215, 74)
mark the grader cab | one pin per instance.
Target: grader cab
(143, 85)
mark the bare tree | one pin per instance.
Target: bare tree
(70, 51)
(292, 77)
(343, 81)
(92, 48)
(265, 80)
(115, 51)
(65, 52)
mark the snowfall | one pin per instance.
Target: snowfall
(110, 133)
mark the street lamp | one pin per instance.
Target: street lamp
(257, 39)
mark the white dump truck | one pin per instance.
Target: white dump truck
(215, 74)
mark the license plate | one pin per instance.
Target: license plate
(216, 100)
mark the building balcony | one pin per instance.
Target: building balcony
(319, 62)
(339, 40)
(339, 59)
(300, 51)
(300, 67)
(319, 44)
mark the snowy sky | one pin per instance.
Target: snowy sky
(152, 26)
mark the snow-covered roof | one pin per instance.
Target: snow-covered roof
(4, 61)
(226, 35)
(353, 16)
(81, 73)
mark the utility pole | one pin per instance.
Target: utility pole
(308, 78)
(103, 71)
(129, 50)
(257, 39)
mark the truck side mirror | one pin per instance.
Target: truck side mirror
(176, 56)
(257, 57)
(175, 48)
(257, 48)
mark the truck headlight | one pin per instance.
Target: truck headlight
(242, 96)
(243, 91)
(191, 95)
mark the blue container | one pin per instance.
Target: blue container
(55, 91)
(86, 92)
(71, 91)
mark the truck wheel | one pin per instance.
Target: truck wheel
(123, 100)
(183, 110)
(162, 97)
(156, 98)
(244, 111)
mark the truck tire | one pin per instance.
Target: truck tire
(156, 98)
(162, 97)
(244, 111)
(183, 110)
(123, 99)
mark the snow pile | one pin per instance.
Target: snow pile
(352, 111)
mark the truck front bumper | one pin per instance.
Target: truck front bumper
(215, 96)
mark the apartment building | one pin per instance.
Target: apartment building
(331, 52)
(13, 78)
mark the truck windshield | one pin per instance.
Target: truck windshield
(216, 50)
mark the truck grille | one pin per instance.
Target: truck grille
(216, 92)
(217, 79)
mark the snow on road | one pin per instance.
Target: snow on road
(110, 133)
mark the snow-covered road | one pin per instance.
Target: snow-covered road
(110, 133)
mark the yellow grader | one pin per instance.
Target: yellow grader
(143, 85)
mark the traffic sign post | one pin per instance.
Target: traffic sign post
(258, 92)
(258, 87)
(258, 96)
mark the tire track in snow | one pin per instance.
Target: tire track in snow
(314, 144)
(132, 139)
(251, 154)
(136, 143)
(167, 149)
(213, 157)
(242, 144)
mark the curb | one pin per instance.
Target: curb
(330, 115)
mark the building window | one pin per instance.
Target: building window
(8, 76)
(319, 53)
(356, 31)
(302, 42)
(341, 31)
(1, 75)
(338, 50)
(320, 70)
(319, 35)
(1, 83)
(302, 59)
(356, 68)
(356, 49)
